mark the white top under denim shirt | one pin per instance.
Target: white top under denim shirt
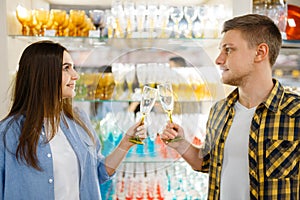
(19, 181)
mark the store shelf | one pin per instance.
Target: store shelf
(291, 44)
(94, 42)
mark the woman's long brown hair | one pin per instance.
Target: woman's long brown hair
(37, 95)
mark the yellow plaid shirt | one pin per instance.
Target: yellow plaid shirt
(274, 145)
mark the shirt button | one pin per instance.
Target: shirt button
(43, 133)
(49, 155)
(50, 180)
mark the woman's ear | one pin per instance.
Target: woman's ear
(262, 52)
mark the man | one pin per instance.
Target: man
(252, 144)
(177, 61)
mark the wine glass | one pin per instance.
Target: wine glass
(97, 17)
(176, 14)
(129, 77)
(166, 98)
(42, 17)
(190, 13)
(147, 102)
(59, 17)
(25, 17)
(77, 18)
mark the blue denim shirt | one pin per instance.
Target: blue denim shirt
(19, 181)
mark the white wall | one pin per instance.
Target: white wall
(4, 72)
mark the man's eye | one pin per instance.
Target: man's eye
(228, 50)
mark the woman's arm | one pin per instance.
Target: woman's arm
(113, 160)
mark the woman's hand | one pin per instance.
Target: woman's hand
(137, 130)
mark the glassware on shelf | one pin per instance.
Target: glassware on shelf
(163, 19)
(98, 19)
(77, 17)
(42, 16)
(24, 16)
(119, 72)
(59, 17)
(140, 11)
(147, 102)
(110, 23)
(190, 14)
(105, 86)
(141, 72)
(129, 77)
(33, 25)
(176, 14)
(117, 11)
(151, 18)
(276, 10)
(129, 13)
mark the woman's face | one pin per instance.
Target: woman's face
(69, 76)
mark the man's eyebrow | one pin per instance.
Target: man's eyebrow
(226, 45)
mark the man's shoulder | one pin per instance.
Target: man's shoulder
(290, 104)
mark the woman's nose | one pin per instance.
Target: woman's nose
(75, 75)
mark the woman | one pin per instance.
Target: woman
(48, 150)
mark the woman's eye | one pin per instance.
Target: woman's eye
(66, 68)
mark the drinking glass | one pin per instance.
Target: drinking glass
(42, 17)
(140, 11)
(98, 19)
(129, 77)
(166, 97)
(59, 17)
(176, 14)
(25, 17)
(190, 14)
(147, 102)
(77, 18)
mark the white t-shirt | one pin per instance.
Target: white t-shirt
(235, 181)
(66, 169)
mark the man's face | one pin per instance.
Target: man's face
(235, 59)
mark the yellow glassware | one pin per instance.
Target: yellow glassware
(59, 17)
(77, 18)
(42, 16)
(24, 16)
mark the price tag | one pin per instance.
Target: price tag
(94, 33)
(50, 33)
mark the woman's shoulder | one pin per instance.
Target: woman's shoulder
(14, 121)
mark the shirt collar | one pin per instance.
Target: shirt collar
(272, 102)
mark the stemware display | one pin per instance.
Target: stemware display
(166, 97)
(147, 102)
